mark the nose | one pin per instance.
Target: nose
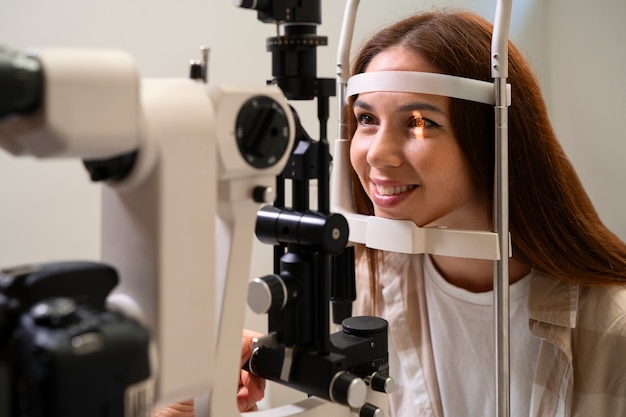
(385, 150)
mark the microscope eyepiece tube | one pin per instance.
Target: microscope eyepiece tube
(21, 83)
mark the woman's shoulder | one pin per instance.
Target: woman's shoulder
(603, 307)
(580, 306)
(599, 343)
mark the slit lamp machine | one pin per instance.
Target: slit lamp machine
(182, 162)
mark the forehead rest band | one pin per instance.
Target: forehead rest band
(424, 83)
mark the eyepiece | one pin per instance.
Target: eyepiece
(21, 83)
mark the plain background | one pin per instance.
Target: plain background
(50, 211)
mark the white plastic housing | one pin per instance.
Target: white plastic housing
(228, 99)
(160, 234)
(180, 231)
(90, 108)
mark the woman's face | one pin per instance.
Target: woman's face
(406, 156)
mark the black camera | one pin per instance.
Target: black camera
(63, 353)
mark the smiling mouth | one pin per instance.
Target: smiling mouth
(386, 190)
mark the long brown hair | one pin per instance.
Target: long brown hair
(554, 226)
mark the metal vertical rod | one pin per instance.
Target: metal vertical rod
(499, 71)
(501, 273)
(343, 61)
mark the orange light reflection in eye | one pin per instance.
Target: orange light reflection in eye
(418, 124)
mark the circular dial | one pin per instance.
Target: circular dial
(262, 131)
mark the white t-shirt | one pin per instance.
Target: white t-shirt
(462, 332)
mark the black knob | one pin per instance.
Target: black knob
(370, 410)
(382, 383)
(196, 72)
(348, 389)
(53, 312)
(21, 83)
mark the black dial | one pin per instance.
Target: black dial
(54, 312)
(262, 132)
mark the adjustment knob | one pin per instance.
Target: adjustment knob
(53, 312)
(382, 383)
(370, 410)
(268, 293)
(348, 389)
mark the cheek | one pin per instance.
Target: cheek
(458, 178)
(358, 155)
(443, 167)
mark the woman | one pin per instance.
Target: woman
(430, 159)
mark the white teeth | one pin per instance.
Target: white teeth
(392, 190)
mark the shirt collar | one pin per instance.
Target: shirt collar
(552, 301)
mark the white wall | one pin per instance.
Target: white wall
(586, 89)
(50, 211)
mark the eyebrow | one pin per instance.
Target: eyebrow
(414, 106)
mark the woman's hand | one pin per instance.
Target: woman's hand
(182, 409)
(251, 388)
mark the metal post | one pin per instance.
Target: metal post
(343, 60)
(501, 275)
(499, 71)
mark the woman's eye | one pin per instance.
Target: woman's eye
(420, 122)
(365, 119)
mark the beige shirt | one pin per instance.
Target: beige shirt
(581, 366)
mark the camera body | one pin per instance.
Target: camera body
(62, 352)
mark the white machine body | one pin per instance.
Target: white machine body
(170, 227)
(159, 223)
(70, 123)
